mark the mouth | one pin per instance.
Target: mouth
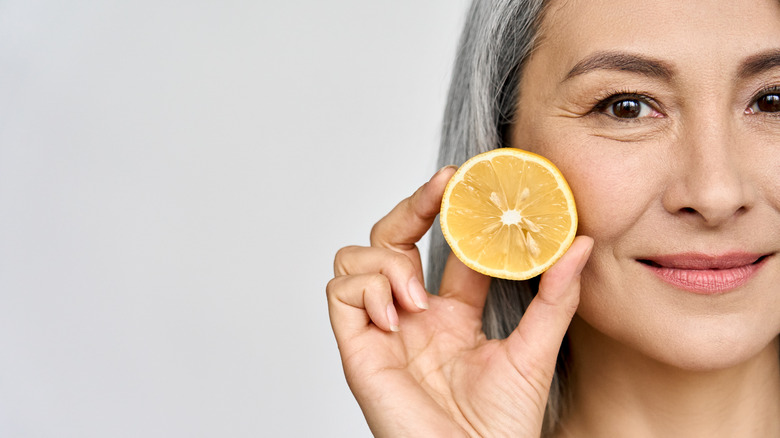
(706, 274)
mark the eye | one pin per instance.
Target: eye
(628, 109)
(626, 106)
(767, 103)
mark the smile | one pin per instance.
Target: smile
(706, 274)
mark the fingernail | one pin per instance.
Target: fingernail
(392, 317)
(417, 293)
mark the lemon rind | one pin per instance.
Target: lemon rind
(503, 273)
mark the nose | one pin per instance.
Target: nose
(709, 186)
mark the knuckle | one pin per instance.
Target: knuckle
(399, 263)
(376, 231)
(382, 230)
(343, 252)
(377, 283)
(342, 255)
(331, 287)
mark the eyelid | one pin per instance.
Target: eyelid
(617, 96)
(771, 89)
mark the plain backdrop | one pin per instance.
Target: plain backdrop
(175, 178)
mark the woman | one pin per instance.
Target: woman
(665, 118)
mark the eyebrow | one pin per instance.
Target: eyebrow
(620, 61)
(759, 63)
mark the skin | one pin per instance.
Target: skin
(438, 375)
(695, 172)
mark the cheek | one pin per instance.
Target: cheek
(614, 188)
(604, 196)
(615, 184)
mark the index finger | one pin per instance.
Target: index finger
(405, 225)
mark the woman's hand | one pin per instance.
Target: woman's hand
(419, 364)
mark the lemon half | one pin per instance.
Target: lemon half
(508, 213)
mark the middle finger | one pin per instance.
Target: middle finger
(399, 270)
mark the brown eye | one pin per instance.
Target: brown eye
(626, 106)
(769, 103)
(626, 109)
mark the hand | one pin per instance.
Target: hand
(419, 364)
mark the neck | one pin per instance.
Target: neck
(620, 392)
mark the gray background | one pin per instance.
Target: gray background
(175, 177)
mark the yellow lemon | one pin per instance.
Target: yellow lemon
(508, 213)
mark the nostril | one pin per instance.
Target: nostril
(688, 210)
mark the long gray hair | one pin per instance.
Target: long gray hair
(497, 39)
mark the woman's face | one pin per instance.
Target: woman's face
(665, 118)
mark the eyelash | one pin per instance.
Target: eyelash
(613, 97)
(618, 95)
(773, 89)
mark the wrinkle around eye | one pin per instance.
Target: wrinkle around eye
(607, 126)
(592, 94)
(629, 132)
(626, 138)
(603, 120)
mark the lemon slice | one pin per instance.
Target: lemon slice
(508, 213)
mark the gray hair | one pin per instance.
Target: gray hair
(497, 39)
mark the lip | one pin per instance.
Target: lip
(706, 274)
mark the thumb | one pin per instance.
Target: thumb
(537, 338)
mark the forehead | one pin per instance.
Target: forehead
(713, 32)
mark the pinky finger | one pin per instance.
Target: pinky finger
(357, 301)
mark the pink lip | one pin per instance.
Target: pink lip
(706, 274)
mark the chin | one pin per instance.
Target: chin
(641, 321)
(692, 344)
(708, 347)
(707, 357)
